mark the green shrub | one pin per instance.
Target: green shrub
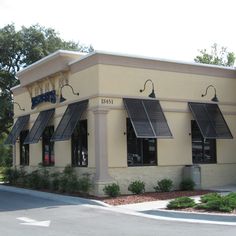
(187, 185)
(231, 200)
(45, 178)
(216, 202)
(112, 190)
(84, 184)
(55, 181)
(165, 185)
(137, 187)
(181, 202)
(33, 180)
(209, 197)
(21, 180)
(10, 175)
(68, 180)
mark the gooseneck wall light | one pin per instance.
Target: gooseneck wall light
(152, 94)
(11, 113)
(62, 99)
(22, 109)
(214, 99)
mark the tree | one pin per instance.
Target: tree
(217, 56)
(19, 49)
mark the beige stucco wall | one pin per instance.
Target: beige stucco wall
(174, 90)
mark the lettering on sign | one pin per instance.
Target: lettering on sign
(107, 101)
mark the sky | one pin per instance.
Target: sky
(168, 29)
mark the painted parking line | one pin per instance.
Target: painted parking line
(32, 222)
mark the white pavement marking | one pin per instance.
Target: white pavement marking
(32, 222)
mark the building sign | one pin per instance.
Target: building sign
(107, 101)
(45, 97)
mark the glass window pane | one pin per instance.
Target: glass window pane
(24, 148)
(203, 150)
(48, 146)
(140, 151)
(79, 144)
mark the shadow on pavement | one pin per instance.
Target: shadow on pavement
(17, 199)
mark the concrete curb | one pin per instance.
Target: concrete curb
(53, 196)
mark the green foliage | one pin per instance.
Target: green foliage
(112, 190)
(5, 152)
(216, 202)
(33, 180)
(68, 180)
(216, 56)
(181, 202)
(137, 187)
(55, 181)
(164, 185)
(187, 185)
(210, 196)
(10, 175)
(20, 48)
(84, 184)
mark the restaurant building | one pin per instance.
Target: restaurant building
(122, 118)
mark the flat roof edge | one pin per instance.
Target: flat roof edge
(118, 59)
(50, 57)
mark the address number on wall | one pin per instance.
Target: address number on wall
(107, 101)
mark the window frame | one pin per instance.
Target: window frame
(139, 145)
(77, 140)
(24, 156)
(211, 143)
(46, 140)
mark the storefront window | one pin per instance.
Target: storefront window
(24, 149)
(141, 151)
(79, 142)
(48, 146)
(203, 150)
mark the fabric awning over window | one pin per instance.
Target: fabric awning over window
(40, 124)
(20, 125)
(210, 120)
(69, 121)
(147, 118)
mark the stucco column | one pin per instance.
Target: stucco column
(102, 176)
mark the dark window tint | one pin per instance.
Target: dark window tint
(203, 150)
(141, 151)
(79, 142)
(24, 149)
(48, 146)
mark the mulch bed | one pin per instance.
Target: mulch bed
(147, 197)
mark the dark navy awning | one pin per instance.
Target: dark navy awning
(20, 125)
(69, 121)
(40, 124)
(147, 118)
(210, 120)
